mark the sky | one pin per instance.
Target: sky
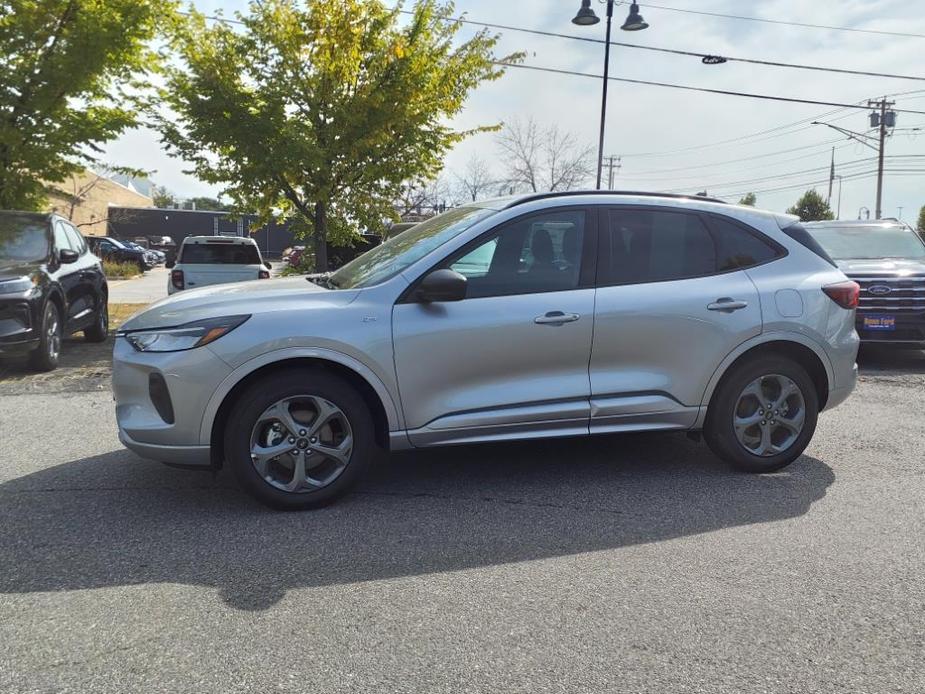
(679, 141)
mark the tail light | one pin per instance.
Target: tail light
(845, 294)
(264, 274)
(176, 279)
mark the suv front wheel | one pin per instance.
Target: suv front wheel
(299, 438)
(763, 415)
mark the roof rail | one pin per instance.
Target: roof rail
(637, 193)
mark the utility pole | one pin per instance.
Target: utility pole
(610, 168)
(883, 119)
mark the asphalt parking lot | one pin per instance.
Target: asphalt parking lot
(617, 564)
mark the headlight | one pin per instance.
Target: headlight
(182, 337)
(19, 286)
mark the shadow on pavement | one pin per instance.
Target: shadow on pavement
(115, 520)
(895, 360)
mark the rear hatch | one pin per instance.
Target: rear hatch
(219, 261)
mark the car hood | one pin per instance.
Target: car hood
(889, 266)
(257, 296)
(14, 269)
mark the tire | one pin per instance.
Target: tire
(99, 331)
(730, 401)
(142, 267)
(45, 356)
(308, 389)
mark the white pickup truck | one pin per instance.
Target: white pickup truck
(205, 260)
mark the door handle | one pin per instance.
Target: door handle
(556, 318)
(727, 305)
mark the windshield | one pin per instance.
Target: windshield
(401, 251)
(843, 243)
(23, 239)
(117, 243)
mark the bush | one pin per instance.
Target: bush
(116, 271)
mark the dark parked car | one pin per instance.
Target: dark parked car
(51, 285)
(338, 256)
(115, 250)
(887, 258)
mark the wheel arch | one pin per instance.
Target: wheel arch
(797, 347)
(371, 389)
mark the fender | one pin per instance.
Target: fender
(763, 338)
(231, 380)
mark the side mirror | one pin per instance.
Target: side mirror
(268, 264)
(67, 256)
(442, 285)
(169, 264)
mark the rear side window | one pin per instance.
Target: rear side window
(656, 246)
(799, 234)
(219, 254)
(738, 248)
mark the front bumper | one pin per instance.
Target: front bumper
(182, 456)
(190, 377)
(18, 334)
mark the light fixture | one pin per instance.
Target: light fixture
(634, 21)
(586, 16)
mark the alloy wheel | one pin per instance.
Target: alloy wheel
(53, 336)
(769, 415)
(301, 443)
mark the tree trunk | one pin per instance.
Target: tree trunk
(321, 238)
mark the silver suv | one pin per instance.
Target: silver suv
(536, 316)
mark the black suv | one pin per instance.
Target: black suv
(115, 250)
(887, 258)
(51, 285)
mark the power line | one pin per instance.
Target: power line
(750, 158)
(724, 92)
(805, 25)
(674, 51)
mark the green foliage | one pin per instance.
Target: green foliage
(317, 111)
(749, 199)
(203, 203)
(70, 72)
(812, 207)
(163, 198)
(114, 270)
(921, 223)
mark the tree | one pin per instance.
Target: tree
(541, 159)
(206, 203)
(812, 207)
(422, 197)
(921, 224)
(71, 73)
(749, 200)
(318, 111)
(163, 198)
(475, 180)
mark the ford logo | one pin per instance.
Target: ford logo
(879, 289)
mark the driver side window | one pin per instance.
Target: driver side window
(540, 253)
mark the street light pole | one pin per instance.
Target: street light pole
(600, 142)
(634, 22)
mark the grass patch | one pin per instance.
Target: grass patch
(120, 271)
(119, 313)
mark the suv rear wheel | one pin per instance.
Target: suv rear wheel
(99, 331)
(299, 438)
(763, 415)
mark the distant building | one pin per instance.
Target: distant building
(131, 222)
(90, 200)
